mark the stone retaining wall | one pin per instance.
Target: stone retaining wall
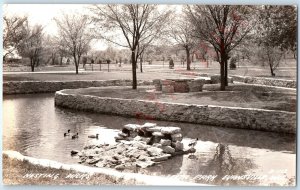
(235, 117)
(266, 81)
(26, 87)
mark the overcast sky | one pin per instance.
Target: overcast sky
(44, 14)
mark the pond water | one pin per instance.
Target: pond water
(35, 127)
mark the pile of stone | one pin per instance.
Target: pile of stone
(215, 79)
(179, 85)
(137, 146)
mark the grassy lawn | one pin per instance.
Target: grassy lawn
(17, 172)
(156, 70)
(236, 95)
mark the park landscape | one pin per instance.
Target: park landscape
(132, 94)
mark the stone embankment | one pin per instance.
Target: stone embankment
(235, 117)
(265, 81)
(137, 146)
(27, 87)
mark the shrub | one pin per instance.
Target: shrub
(233, 62)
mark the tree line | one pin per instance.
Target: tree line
(265, 31)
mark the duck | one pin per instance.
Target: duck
(68, 133)
(94, 136)
(75, 136)
(193, 143)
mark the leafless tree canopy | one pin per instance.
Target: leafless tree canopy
(140, 25)
(31, 46)
(181, 31)
(74, 36)
(223, 26)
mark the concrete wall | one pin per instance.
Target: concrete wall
(26, 87)
(246, 118)
(266, 81)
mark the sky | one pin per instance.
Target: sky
(44, 14)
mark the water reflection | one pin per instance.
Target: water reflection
(35, 127)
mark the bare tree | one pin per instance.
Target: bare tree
(14, 31)
(276, 33)
(223, 26)
(31, 46)
(139, 24)
(181, 32)
(74, 36)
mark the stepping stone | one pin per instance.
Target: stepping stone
(131, 127)
(170, 130)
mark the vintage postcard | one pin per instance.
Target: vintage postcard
(149, 94)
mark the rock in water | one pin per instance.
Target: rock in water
(165, 142)
(161, 158)
(178, 146)
(176, 137)
(120, 167)
(154, 151)
(154, 129)
(131, 127)
(144, 164)
(74, 152)
(148, 125)
(170, 130)
(168, 149)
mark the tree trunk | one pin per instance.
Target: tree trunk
(141, 65)
(271, 68)
(133, 62)
(226, 72)
(222, 76)
(32, 64)
(188, 59)
(76, 64)
(271, 65)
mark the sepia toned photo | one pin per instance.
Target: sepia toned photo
(149, 94)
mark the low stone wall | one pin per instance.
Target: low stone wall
(26, 87)
(266, 81)
(235, 117)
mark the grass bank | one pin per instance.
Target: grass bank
(16, 172)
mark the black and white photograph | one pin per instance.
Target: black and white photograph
(149, 94)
